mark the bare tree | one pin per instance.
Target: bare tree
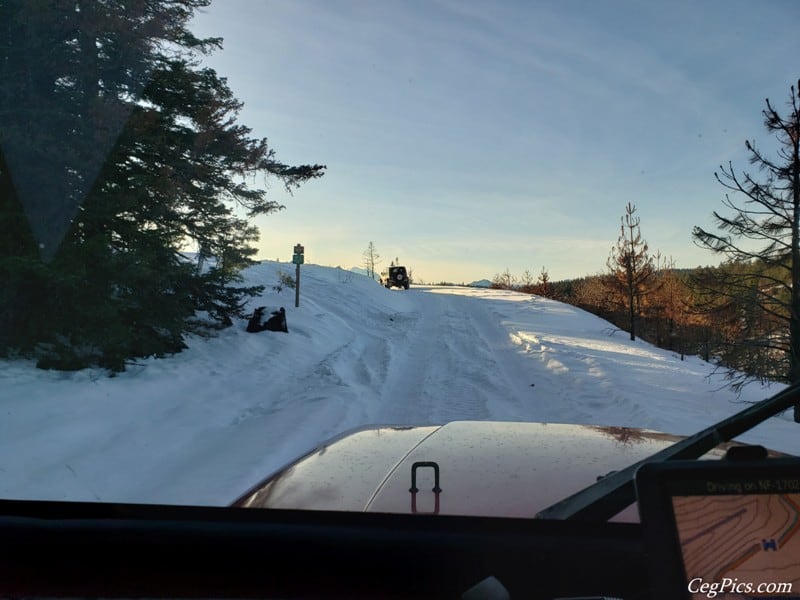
(631, 265)
(371, 258)
(761, 245)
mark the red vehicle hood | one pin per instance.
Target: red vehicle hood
(501, 469)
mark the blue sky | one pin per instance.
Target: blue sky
(467, 137)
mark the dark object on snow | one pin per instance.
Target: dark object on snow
(277, 322)
(397, 277)
(254, 324)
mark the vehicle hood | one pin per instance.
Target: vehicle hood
(497, 469)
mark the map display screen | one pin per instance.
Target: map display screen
(739, 538)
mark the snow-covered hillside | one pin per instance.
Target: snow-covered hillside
(201, 427)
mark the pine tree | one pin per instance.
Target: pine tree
(543, 283)
(138, 154)
(631, 265)
(761, 285)
(527, 282)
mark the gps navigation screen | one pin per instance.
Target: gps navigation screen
(740, 538)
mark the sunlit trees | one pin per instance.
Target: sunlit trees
(667, 306)
(595, 294)
(760, 243)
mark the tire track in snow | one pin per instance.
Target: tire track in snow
(447, 367)
(573, 375)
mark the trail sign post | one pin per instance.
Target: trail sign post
(297, 258)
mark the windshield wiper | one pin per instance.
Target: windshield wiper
(613, 493)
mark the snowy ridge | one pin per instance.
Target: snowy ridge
(206, 424)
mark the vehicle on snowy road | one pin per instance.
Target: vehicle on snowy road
(396, 276)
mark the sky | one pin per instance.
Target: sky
(467, 137)
(203, 426)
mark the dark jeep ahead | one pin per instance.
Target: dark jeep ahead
(397, 276)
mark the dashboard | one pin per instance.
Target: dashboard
(115, 550)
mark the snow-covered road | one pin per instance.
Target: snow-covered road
(201, 427)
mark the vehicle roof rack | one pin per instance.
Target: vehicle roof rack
(613, 493)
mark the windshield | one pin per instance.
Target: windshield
(232, 231)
